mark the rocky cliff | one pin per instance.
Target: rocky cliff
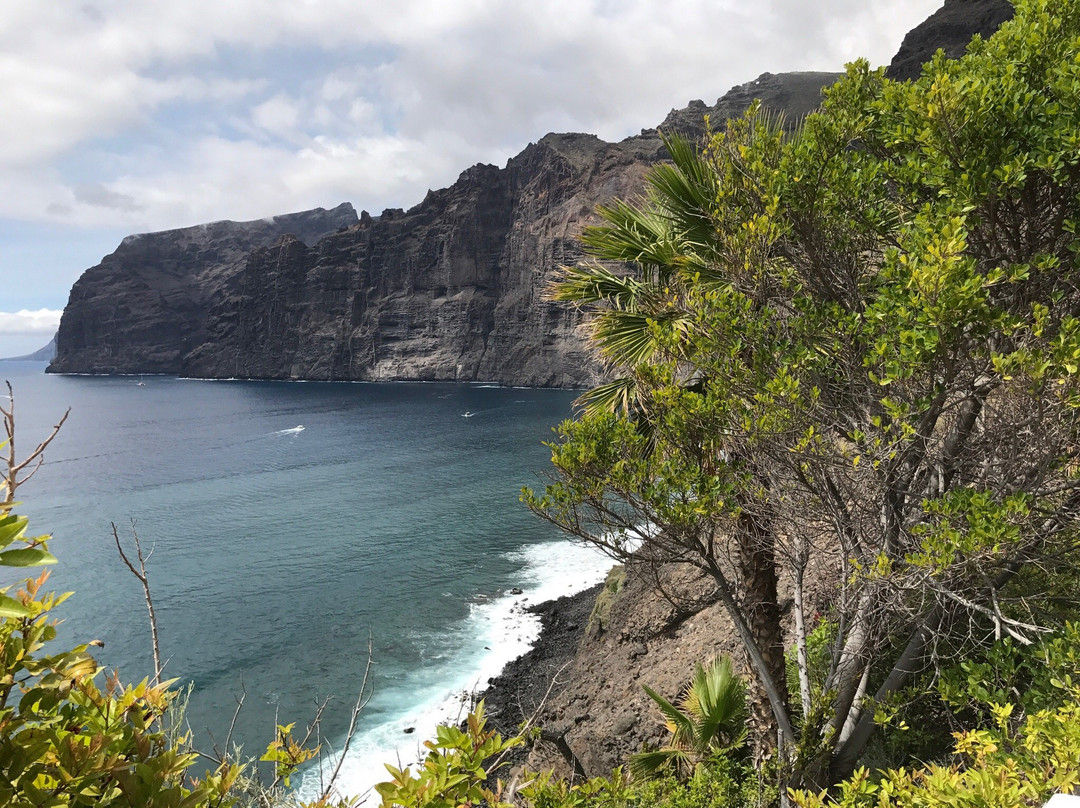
(143, 308)
(451, 289)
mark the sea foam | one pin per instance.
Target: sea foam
(496, 632)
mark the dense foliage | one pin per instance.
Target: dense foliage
(851, 353)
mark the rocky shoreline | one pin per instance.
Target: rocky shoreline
(515, 695)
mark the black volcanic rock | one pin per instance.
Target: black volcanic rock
(794, 94)
(950, 28)
(143, 308)
(452, 289)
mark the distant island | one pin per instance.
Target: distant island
(44, 354)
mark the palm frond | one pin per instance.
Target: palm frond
(631, 233)
(614, 396)
(680, 724)
(685, 190)
(716, 697)
(637, 235)
(649, 764)
(596, 284)
(624, 337)
(772, 120)
(629, 338)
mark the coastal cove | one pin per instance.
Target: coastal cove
(732, 464)
(279, 551)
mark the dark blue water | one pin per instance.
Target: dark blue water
(277, 552)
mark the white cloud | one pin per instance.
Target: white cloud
(25, 323)
(277, 115)
(128, 116)
(152, 115)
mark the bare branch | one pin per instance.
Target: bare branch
(12, 465)
(140, 575)
(362, 698)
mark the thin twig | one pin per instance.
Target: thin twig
(14, 467)
(140, 574)
(222, 756)
(361, 701)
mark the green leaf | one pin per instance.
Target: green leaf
(9, 607)
(26, 557)
(11, 528)
(683, 726)
(644, 765)
(614, 396)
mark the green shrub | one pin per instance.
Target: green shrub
(546, 791)
(65, 740)
(455, 769)
(994, 767)
(613, 584)
(1020, 744)
(719, 782)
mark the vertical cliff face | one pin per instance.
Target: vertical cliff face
(452, 289)
(144, 307)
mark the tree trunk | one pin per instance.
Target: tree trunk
(758, 584)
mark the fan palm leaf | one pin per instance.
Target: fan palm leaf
(717, 697)
(614, 396)
(633, 234)
(710, 716)
(679, 723)
(591, 284)
(666, 235)
(685, 192)
(627, 338)
(645, 765)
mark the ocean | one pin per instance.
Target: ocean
(291, 525)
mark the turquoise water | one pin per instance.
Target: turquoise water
(278, 551)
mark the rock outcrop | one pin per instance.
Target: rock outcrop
(451, 289)
(950, 29)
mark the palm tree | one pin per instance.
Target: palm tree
(709, 717)
(683, 244)
(668, 237)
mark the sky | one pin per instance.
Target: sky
(127, 116)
